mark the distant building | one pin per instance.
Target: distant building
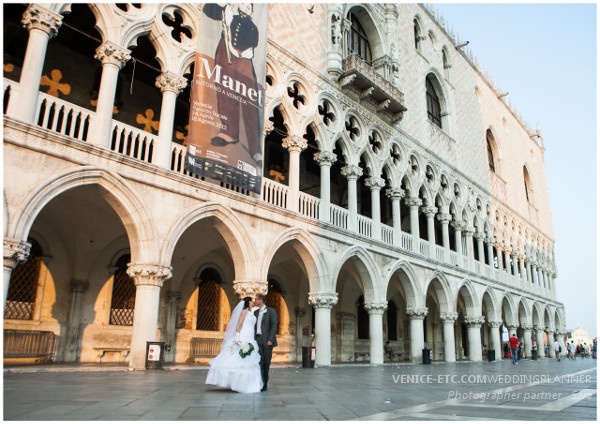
(580, 336)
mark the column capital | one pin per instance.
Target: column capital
(323, 300)
(480, 235)
(550, 330)
(413, 201)
(38, 17)
(527, 327)
(448, 316)
(512, 328)
(15, 251)
(250, 288)
(351, 171)
(173, 297)
(325, 158)
(495, 324)
(149, 275)
(430, 211)
(268, 127)
(458, 224)
(375, 183)
(469, 231)
(78, 286)
(168, 81)
(474, 321)
(539, 327)
(395, 193)
(110, 53)
(375, 308)
(490, 240)
(416, 312)
(293, 143)
(444, 218)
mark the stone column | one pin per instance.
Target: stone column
(500, 253)
(376, 310)
(527, 345)
(523, 271)
(448, 319)
(322, 303)
(507, 263)
(375, 184)
(534, 273)
(300, 312)
(148, 280)
(489, 242)
(78, 289)
(396, 194)
(495, 343)
(170, 86)
(474, 336)
(468, 233)
(550, 332)
(352, 173)
(295, 145)
(15, 252)
(42, 25)
(250, 288)
(325, 160)
(515, 265)
(539, 333)
(444, 219)
(113, 59)
(430, 212)
(561, 340)
(529, 274)
(413, 203)
(480, 251)
(417, 339)
(170, 330)
(458, 227)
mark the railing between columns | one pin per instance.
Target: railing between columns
(132, 142)
(308, 205)
(424, 248)
(439, 253)
(365, 225)
(406, 241)
(275, 193)
(387, 234)
(62, 117)
(453, 257)
(338, 216)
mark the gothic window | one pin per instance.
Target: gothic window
(490, 149)
(417, 34)
(434, 110)
(392, 321)
(358, 43)
(23, 285)
(527, 182)
(122, 302)
(275, 301)
(362, 318)
(209, 296)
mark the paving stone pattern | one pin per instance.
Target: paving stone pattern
(439, 391)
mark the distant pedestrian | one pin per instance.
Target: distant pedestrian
(557, 350)
(572, 350)
(514, 347)
(388, 349)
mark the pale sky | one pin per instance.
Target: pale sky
(545, 56)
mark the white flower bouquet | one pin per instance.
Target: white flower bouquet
(244, 349)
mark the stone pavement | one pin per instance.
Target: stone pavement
(531, 390)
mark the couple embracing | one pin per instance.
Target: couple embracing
(245, 358)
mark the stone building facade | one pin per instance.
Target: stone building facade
(403, 198)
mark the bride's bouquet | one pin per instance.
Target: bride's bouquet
(244, 349)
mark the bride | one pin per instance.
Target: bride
(238, 364)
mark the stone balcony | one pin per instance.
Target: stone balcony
(369, 85)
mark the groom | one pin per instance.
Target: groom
(266, 329)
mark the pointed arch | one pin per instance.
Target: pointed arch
(367, 269)
(115, 190)
(469, 295)
(414, 297)
(227, 224)
(313, 260)
(440, 284)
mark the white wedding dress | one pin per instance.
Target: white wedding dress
(229, 369)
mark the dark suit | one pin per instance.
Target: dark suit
(268, 332)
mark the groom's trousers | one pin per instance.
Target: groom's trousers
(266, 353)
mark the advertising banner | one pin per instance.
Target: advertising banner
(228, 96)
